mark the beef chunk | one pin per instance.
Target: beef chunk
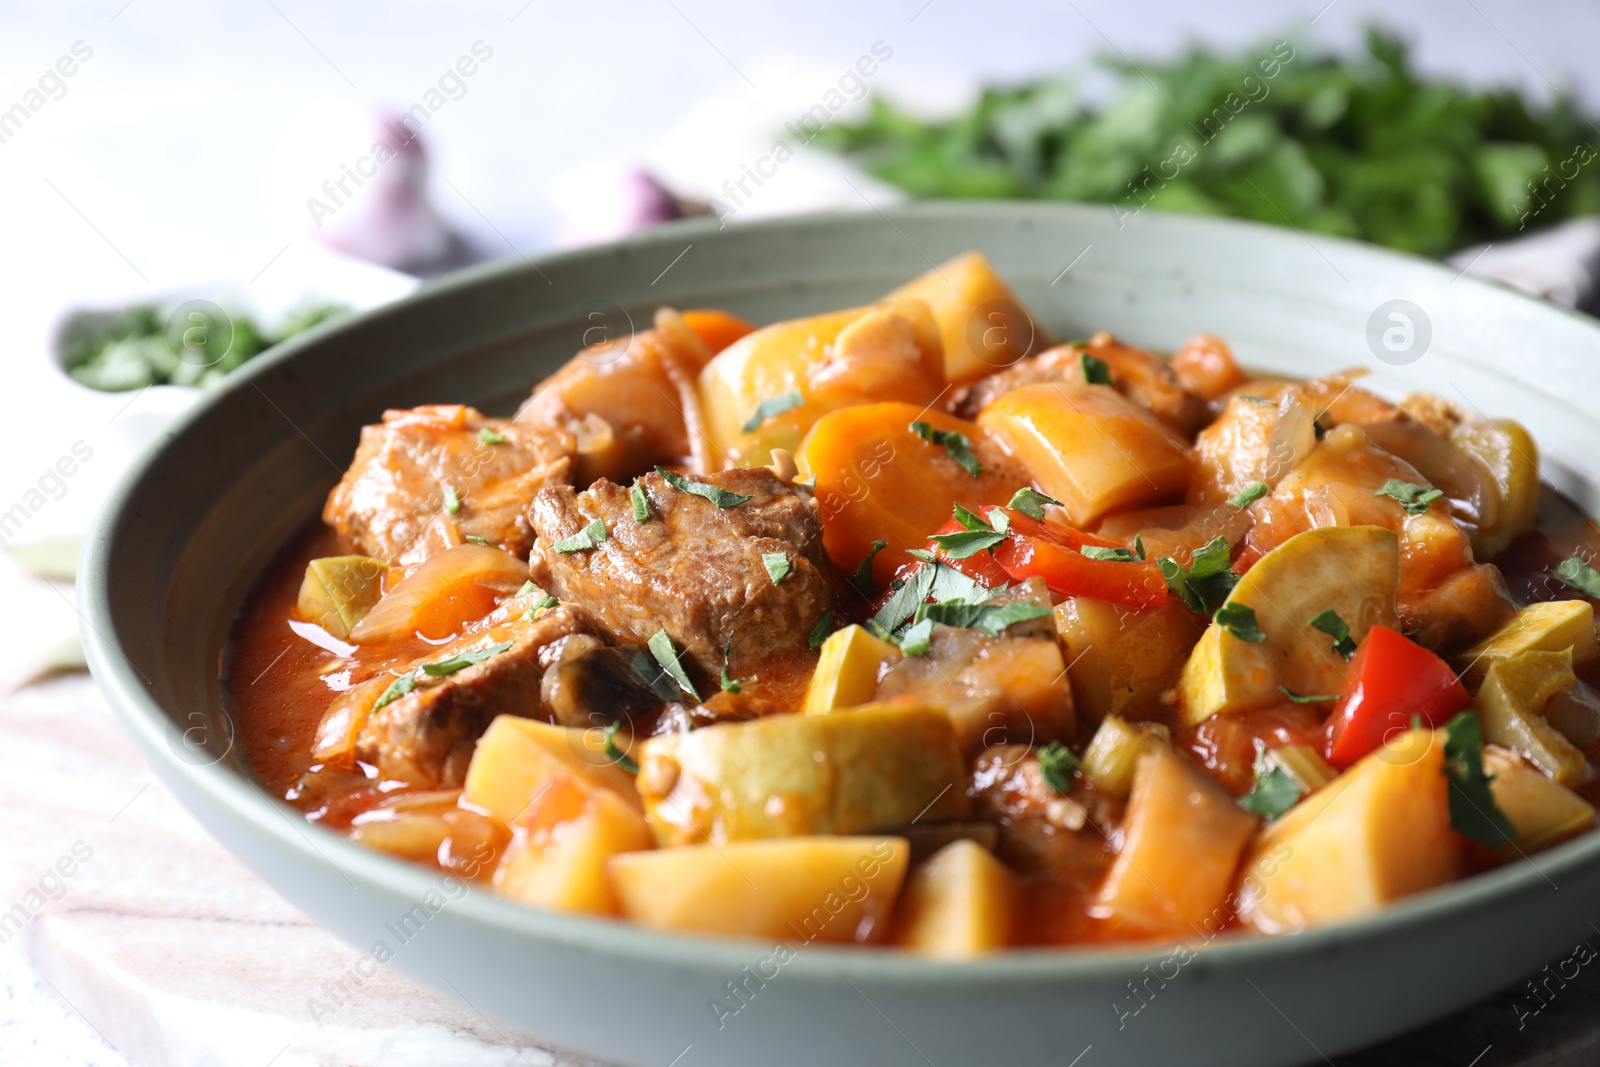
(395, 502)
(693, 568)
(426, 736)
(1042, 830)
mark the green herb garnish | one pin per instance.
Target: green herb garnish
(474, 539)
(1306, 698)
(999, 519)
(1095, 370)
(819, 633)
(1208, 579)
(1057, 765)
(397, 689)
(778, 566)
(641, 503)
(463, 660)
(862, 579)
(615, 754)
(730, 684)
(1240, 621)
(452, 499)
(1116, 555)
(1275, 790)
(968, 520)
(722, 498)
(585, 539)
(1031, 503)
(1138, 545)
(773, 405)
(1331, 624)
(956, 444)
(660, 645)
(1473, 812)
(490, 437)
(1576, 572)
(648, 673)
(1249, 495)
(917, 640)
(1416, 498)
(967, 542)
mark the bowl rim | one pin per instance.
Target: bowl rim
(244, 801)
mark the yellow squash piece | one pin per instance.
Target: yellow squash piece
(1089, 447)
(1511, 707)
(1124, 660)
(957, 905)
(983, 326)
(1549, 626)
(518, 757)
(1182, 839)
(798, 889)
(560, 845)
(1353, 570)
(1509, 453)
(1378, 832)
(1304, 764)
(1113, 754)
(338, 591)
(1543, 811)
(847, 672)
(873, 769)
(887, 352)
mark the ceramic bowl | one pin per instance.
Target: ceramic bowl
(192, 527)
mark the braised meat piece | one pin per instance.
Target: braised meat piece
(1145, 379)
(429, 478)
(1042, 830)
(702, 569)
(421, 724)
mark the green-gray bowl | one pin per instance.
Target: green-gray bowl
(190, 529)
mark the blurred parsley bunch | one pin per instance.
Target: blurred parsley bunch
(1360, 148)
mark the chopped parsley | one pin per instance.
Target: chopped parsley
(1240, 621)
(819, 633)
(452, 500)
(1415, 498)
(641, 503)
(585, 539)
(778, 566)
(527, 587)
(1473, 812)
(1331, 624)
(660, 646)
(1095, 370)
(397, 689)
(1275, 790)
(463, 660)
(977, 536)
(1249, 495)
(476, 540)
(649, 674)
(1306, 698)
(999, 519)
(615, 754)
(956, 444)
(992, 619)
(542, 600)
(730, 684)
(722, 498)
(1031, 503)
(491, 437)
(1576, 572)
(773, 405)
(968, 520)
(1208, 579)
(862, 579)
(1138, 545)
(936, 581)
(1115, 555)
(1057, 765)
(918, 639)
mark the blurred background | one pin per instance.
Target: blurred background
(185, 181)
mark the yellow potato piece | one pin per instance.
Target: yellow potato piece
(338, 591)
(1550, 626)
(517, 757)
(1511, 706)
(560, 845)
(1182, 839)
(1124, 660)
(1378, 832)
(983, 326)
(957, 905)
(847, 672)
(1543, 811)
(797, 889)
(1353, 570)
(1089, 447)
(876, 768)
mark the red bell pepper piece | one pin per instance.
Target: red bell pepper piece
(1391, 681)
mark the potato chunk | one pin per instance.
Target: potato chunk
(1511, 704)
(1545, 627)
(1124, 660)
(1352, 570)
(869, 769)
(1378, 832)
(560, 845)
(982, 325)
(957, 905)
(1544, 812)
(517, 757)
(1090, 447)
(847, 672)
(1182, 838)
(798, 889)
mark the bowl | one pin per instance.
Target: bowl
(192, 527)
